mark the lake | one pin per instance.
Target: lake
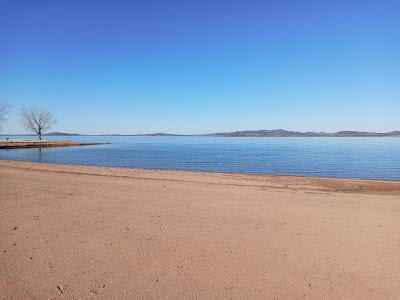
(374, 158)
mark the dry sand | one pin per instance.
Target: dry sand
(72, 232)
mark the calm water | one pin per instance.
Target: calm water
(326, 157)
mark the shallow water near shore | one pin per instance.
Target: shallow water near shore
(372, 158)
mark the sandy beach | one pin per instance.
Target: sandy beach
(74, 232)
(19, 144)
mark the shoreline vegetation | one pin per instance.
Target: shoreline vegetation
(17, 144)
(245, 133)
(177, 234)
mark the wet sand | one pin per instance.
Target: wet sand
(73, 232)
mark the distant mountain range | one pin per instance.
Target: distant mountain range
(286, 133)
(249, 133)
(264, 133)
(60, 134)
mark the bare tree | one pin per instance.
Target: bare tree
(4, 109)
(37, 119)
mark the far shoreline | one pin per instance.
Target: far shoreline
(205, 136)
(242, 133)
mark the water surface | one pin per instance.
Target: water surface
(375, 158)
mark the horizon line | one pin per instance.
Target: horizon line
(55, 133)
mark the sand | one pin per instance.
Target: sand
(15, 144)
(73, 232)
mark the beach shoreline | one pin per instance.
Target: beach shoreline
(331, 184)
(82, 231)
(23, 144)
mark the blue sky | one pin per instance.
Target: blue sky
(203, 66)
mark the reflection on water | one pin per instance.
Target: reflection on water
(35, 155)
(327, 157)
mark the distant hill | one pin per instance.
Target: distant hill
(286, 133)
(60, 134)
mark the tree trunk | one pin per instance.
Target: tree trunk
(40, 136)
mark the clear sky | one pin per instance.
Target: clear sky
(203, 66)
